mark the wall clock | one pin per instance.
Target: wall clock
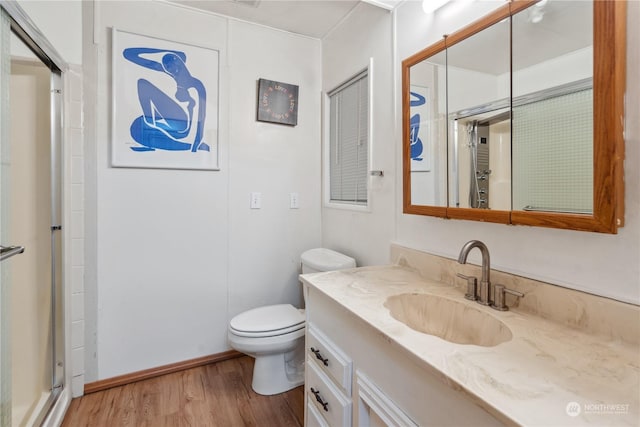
(277, 102)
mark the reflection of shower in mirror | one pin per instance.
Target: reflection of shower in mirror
(478, 144)
(481, 167)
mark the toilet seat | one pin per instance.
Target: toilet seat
(268, 321)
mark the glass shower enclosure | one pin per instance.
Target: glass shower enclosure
(31, 285)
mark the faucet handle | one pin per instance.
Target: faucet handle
(499, 291)
(472, 286)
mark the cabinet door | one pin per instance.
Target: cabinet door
(376, 409)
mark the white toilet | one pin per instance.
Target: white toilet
(274, 335)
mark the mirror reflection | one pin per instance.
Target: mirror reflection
(428, 131)
(552, 143)
(474, 144)
(478, 83)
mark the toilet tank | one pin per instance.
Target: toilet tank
(322, 259)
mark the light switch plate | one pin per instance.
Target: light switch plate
(294, 200)
(256, 200)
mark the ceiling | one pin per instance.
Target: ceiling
(313, 18)
(561, 27)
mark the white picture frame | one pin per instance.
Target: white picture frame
(165, 104)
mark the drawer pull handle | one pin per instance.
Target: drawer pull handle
(319, 356)
(324, 404)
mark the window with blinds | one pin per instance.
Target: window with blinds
(349, 141)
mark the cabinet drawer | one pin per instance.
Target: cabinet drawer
(334, 406)
(329, 357)
(314, 419)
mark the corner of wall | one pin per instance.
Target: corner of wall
(74, 219)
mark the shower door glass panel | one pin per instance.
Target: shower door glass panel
(5, 283)
(33, 340)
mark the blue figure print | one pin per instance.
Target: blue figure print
(414, 126)
(167, 122)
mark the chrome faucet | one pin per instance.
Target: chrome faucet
(483, 295)
(485, 284)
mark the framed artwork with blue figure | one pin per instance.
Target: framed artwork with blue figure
(165, 104)
(419, 129)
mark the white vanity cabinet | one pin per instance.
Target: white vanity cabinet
(369, 381)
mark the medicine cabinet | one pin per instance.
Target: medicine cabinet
(518, 118)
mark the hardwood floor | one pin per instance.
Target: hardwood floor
(218, 394)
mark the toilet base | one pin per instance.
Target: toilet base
(277, 373)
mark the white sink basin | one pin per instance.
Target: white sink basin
(451, 320)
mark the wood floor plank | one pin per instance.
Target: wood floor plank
(239, 395)
(231, 392)
(295, 401)
(169, 395)
(213, 395)
(147, 398)
(126, 411)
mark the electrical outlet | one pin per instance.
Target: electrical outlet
(256, 200)
(294, 201)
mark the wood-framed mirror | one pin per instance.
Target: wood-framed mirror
(518, 118)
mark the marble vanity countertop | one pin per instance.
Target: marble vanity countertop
(536, 378)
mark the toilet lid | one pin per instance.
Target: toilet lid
(276, 319)
(323, 259)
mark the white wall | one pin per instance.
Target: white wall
(366, 33)
(61, 23)
(275, 160)
(178, 252)
(602, 264)
(568, 68)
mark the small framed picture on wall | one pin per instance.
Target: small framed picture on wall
(277, 102)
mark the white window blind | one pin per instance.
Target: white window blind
(348, 141)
